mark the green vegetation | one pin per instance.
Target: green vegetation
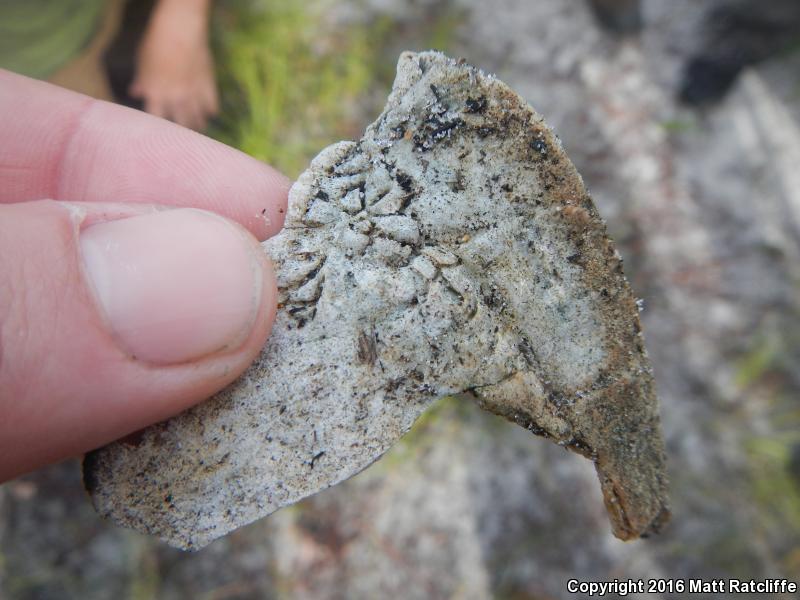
(290, 84)
(775, 488)
(756, 363)
(776, 492)
(678, 126)
(293, 82)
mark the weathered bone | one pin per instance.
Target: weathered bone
(454, 249)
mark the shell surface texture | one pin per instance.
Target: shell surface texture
(453, 250)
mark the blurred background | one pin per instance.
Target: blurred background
(684, 119)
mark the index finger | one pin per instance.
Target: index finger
(62, 145)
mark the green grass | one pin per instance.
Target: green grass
(678, 125)
(290, 84)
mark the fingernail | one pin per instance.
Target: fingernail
(174, 285)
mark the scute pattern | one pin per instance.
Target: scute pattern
(452, 250)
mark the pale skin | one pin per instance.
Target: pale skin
(175, 68)
(79, 366)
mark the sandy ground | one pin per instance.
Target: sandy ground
(705, 206)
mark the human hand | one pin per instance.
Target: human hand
(121, 303)
(174, 68)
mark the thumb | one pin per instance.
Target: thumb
(113, 317)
